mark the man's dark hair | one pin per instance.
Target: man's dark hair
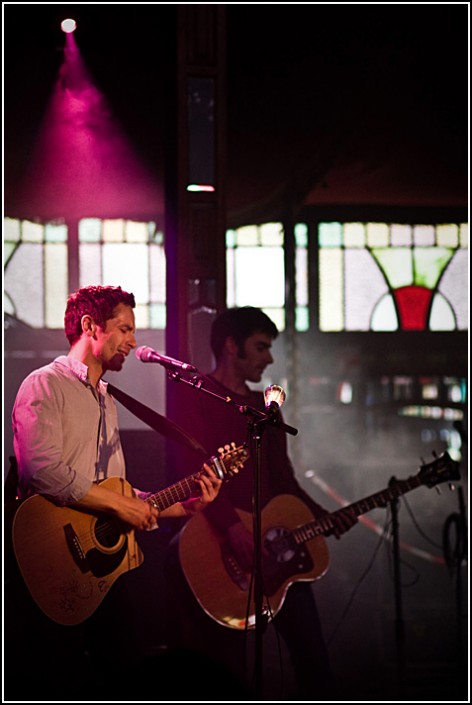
(239, 324)
(99, 302)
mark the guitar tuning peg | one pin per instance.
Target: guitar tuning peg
(435, 455)
(452, 487)
(437, 489)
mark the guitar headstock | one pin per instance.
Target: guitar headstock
(230, 460)
(441, 469)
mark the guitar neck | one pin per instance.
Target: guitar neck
(373, 501)
(178, 492)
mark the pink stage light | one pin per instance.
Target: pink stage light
(68, 26)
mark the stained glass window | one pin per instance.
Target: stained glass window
(388, 277)
(110, 252)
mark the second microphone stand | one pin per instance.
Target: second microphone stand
(257, 421)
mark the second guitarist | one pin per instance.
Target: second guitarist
(241, 341)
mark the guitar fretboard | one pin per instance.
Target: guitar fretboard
(380, 499)
(175, 493)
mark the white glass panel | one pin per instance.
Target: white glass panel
(113, 230)
(260, 277)
(158, 273)
(447, 235)
(377, 235)
(442, 316)
(423, 235)
(127, 266)
(247, 236)
(331, 289)
(277, 315)
(135, 232)
(231, 238)
(384, 317)
(364, 287)
(271, 234)
(354, 235)
(56, 284)
(454, 286)
(26, 292)
(230, 278)
(141, 314)
(90, 268)
(401, 235)
(32, 232)
(464, 235)
(11, 229)
(157, 314)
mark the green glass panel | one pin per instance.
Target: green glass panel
(55, 232)
(231, 238)
(90, 230)
(301, 235)
(396, 265)
(330, 235)
(429, 264)
(302, 318)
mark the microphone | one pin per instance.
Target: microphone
(146, 354)
(274, 398)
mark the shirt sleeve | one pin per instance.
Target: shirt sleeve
(37, 430)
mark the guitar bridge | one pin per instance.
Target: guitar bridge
(233, 569)
(75, 548)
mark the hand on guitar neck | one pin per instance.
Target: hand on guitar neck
(339, 522)
(135, 513)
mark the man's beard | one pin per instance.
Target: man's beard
(116, 363)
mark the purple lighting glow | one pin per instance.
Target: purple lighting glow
(68, 26)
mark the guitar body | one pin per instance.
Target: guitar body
(222, 588)
(70, 559)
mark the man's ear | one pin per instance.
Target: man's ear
(231, 346)
(89, 326)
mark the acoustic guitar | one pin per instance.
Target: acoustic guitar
(69, 558)
(294, 542)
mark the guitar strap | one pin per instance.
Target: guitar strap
(156, 421)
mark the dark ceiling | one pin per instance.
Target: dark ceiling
(338, 104)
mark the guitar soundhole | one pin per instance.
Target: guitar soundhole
(107, 532)
(277, 542)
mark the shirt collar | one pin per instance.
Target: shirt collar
(80, 370)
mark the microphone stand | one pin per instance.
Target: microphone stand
(257, 423)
